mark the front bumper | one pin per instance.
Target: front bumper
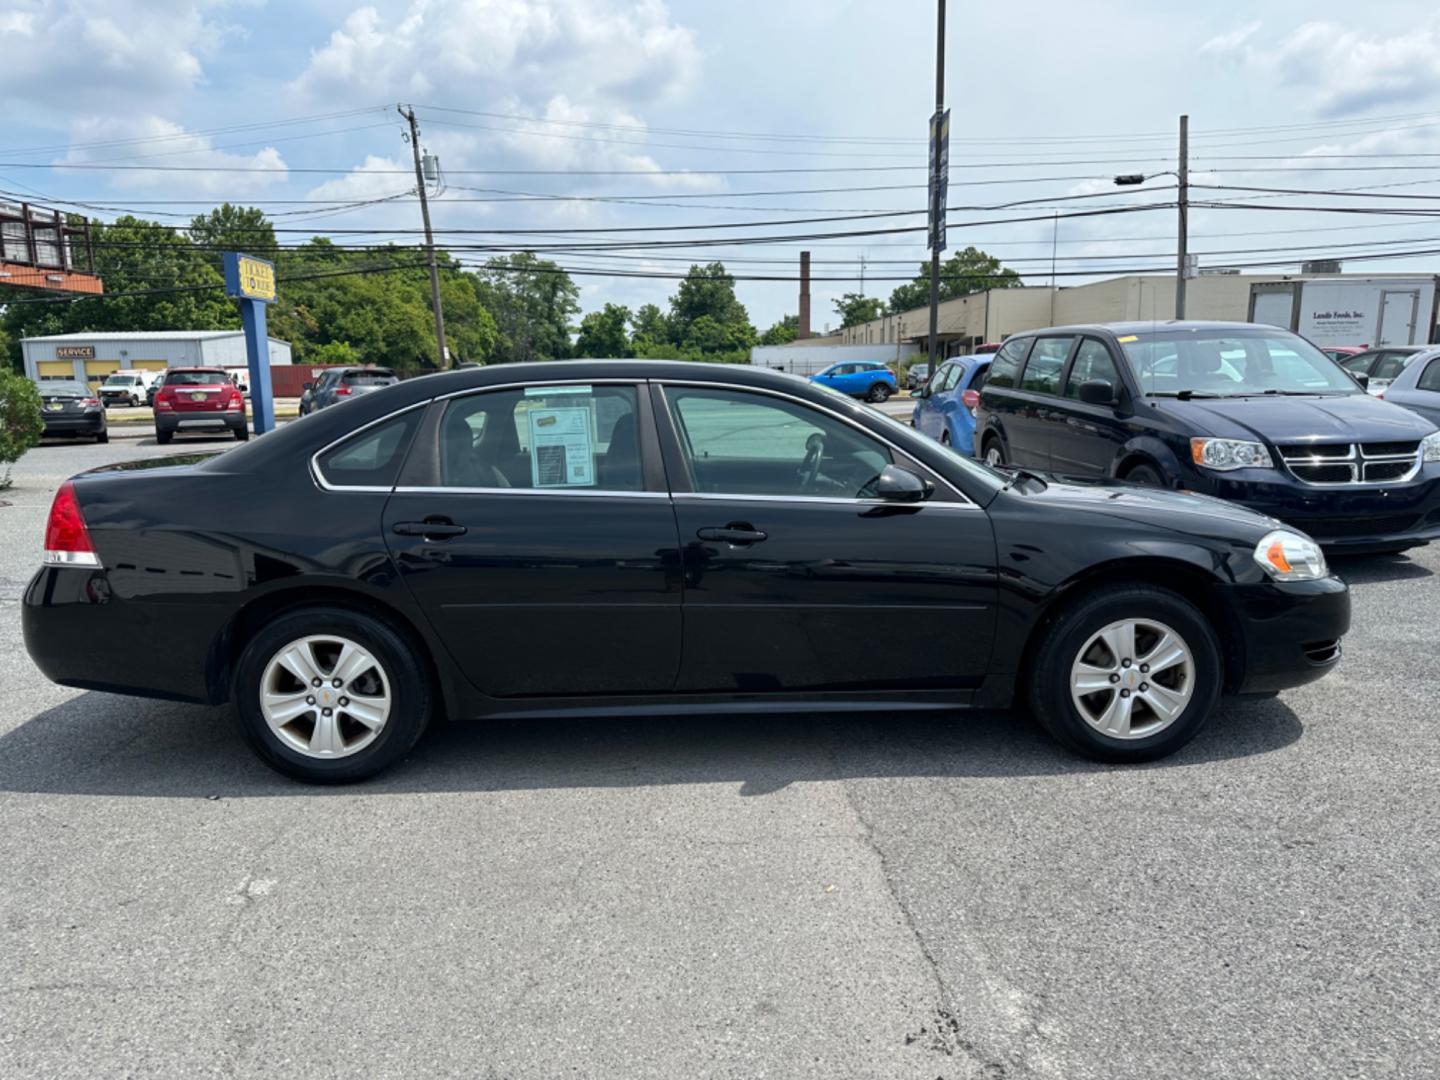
(1288, 633)
(1350, 519)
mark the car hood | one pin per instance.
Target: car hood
(1179, 511)
(1354, 417)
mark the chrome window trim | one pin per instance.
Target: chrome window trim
(681, 496)
(319, 478)
(663, 383)
(609, 493)
(609, 380)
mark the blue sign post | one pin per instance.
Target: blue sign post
(252, 282)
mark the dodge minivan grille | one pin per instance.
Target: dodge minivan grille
(1333, 464)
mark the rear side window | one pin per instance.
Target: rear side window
(1391, 365)
(949, 377)
(1047, 360)
(1359, 363)
(371, 458)
(1005, 368)
(1430, 377)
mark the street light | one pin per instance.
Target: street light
(1182, 178)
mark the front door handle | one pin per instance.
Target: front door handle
(739, 533)
(434, 528)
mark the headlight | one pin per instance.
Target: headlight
(1430, 445)
(1288, 556)
(1222, 455)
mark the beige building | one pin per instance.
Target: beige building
(969, 321)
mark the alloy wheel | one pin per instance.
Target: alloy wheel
(325, 696)
(1133, 678)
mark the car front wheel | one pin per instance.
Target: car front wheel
(331, 696)
(1126, 674)
(994, 454)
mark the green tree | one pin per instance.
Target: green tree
(602, 333)
(532, 301)
(20, 419)
(853, 309)
(708, 293)
(233, 228)
(648, 328)
(967, 271)
(782, 332)
(333, 352)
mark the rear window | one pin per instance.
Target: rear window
(378, 377)
(1006, 365)
(195, 378)
(372, 457)
(64, 389)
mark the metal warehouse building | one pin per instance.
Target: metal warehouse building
(91, 357)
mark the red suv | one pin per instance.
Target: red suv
(197, 398)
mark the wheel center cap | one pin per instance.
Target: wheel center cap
(326, 697)
(1130, 679)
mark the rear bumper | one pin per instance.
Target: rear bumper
(1343, 519)
(213, 421)
(83, 424)
(1290, 633)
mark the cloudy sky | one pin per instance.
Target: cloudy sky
(606, 115)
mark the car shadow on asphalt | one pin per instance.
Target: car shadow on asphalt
(101, 744)
(1376, 569)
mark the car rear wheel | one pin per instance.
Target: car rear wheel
(331, 696)
(102, 436)
(878, 393)
(994, 453)
(945, 438)
(241, 433)
(163, 437)
(1126, 674)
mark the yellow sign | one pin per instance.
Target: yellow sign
(257, 279)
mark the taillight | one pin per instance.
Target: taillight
(67, 540)
(342, 390)
(971, 399)
(89, 402)
(164, 399)
(235, 401)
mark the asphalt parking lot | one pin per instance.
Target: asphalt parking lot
(910, 896)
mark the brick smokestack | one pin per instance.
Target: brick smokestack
(804, 295)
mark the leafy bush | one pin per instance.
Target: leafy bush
(20, 419)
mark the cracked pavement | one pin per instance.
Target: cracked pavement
(890, 896)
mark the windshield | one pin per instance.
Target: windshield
(1231, 363)
(195, 378)
(121, 380)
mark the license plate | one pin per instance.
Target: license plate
(54, 406)
(198, 397)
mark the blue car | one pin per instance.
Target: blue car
(868, 379)
(945, 406)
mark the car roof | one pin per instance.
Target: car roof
(1149, 326)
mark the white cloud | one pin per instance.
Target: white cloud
(122, 53)
(178, 148)
(1231, 42)
(1347, 71)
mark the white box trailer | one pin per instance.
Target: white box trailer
(1350, 311)
(808, 359)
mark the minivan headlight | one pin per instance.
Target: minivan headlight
(1288, 556)
(1222, 455)
(1430, 446)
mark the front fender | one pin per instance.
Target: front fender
(1152, 450)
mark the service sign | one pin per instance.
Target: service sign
(249, 278)
(75, 352)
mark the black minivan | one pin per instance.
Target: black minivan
(1244, 412)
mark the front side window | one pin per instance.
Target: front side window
(740, 443)
(1359, 363)
(1005, 368)
(372, 457)
(1047, 360)
(574, 437)
(1092, 362)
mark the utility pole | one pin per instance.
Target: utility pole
(862, 275)
(409, 113)
(937, 207)
(1182, 250)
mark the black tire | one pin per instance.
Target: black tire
(994, 447)
(241, 433)
(163, 437)
(1145, 475)
(102, 437)
(878, 393)
(1048, 682)
(412, 696)
(945, 437)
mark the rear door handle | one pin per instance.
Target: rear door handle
(738, 533)
(431, 528)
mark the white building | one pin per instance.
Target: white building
(91, 357)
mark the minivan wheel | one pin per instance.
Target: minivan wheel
(878, 393)
(1126, 674)
(331, 696)
(1146, 476)
(994, 454)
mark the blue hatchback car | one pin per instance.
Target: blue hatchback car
(945, 406)
(868, 379)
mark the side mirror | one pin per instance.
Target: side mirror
(1098, 392)
(923, 392)
(307, 386)
(895, 484)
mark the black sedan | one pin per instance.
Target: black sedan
(1251, 414)
(72, 409)
(624, 537)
